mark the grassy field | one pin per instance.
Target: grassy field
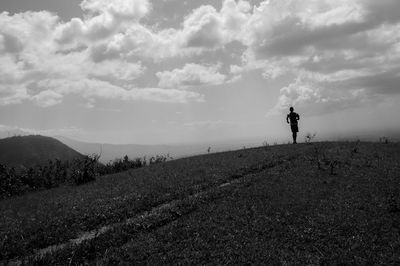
(322, 203)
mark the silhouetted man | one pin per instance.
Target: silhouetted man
(293, 118)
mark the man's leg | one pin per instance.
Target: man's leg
(294, 137)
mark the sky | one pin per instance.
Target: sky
(174, 71)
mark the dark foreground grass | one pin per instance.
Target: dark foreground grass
(326, 203)
(45, 218)
(291, 214)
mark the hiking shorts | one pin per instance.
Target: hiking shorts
(294, 128)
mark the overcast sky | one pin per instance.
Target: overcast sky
(171, 71)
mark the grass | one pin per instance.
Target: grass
(45, 218)
(290, 204)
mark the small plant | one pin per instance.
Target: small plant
(316, 157)
(384, 140)
(332, 166)
(393, 202)
(309, 137)
(355, 148)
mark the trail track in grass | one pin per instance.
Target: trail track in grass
(38, 220)
(155, 214)
(310, 204)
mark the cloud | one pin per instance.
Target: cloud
(12, 94)
(29, 30)
(43, 59)
(339, 54)
(293, 28)
(207, 28)
(284, 28)
(103, 19)
(7, 130)
(319, 94)
(191, 75)
(91, 89)
(331, 52)
(204, 29)
(47, 98)
(115, 70)
(141, 42)
(127, 9)
(10, 43)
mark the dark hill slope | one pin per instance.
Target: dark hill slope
(26, 151)
(323, 203)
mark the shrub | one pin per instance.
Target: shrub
(10, 184)
(54, 173)
(158, 159)
(309, 137)
(84, 170)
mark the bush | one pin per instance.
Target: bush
(120, 165)
(84, 170)
(10, 184)
(158, 159)
(55, 173)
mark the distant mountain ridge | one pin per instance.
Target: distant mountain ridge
(27, 151)
(110, 152)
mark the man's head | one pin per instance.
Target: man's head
(291, 109)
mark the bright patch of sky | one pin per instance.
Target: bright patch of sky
(172, 71)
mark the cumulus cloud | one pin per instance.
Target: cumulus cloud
(47, 98)
(104, 19)
(43, 59)
(208, 28)
(127, 9)
(282, 28)
(191, 75)
(318, 97)
(336, 52)
(142, 42)
(204, 29)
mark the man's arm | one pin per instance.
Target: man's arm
(287, 119)
(298, 117)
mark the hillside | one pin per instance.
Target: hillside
(323, 203)
(26, 151)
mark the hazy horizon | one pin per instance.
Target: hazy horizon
(181, 72)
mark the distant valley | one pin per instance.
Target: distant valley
(110, 152)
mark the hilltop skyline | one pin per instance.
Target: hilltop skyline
(141, 71)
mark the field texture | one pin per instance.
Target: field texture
(321, 203)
